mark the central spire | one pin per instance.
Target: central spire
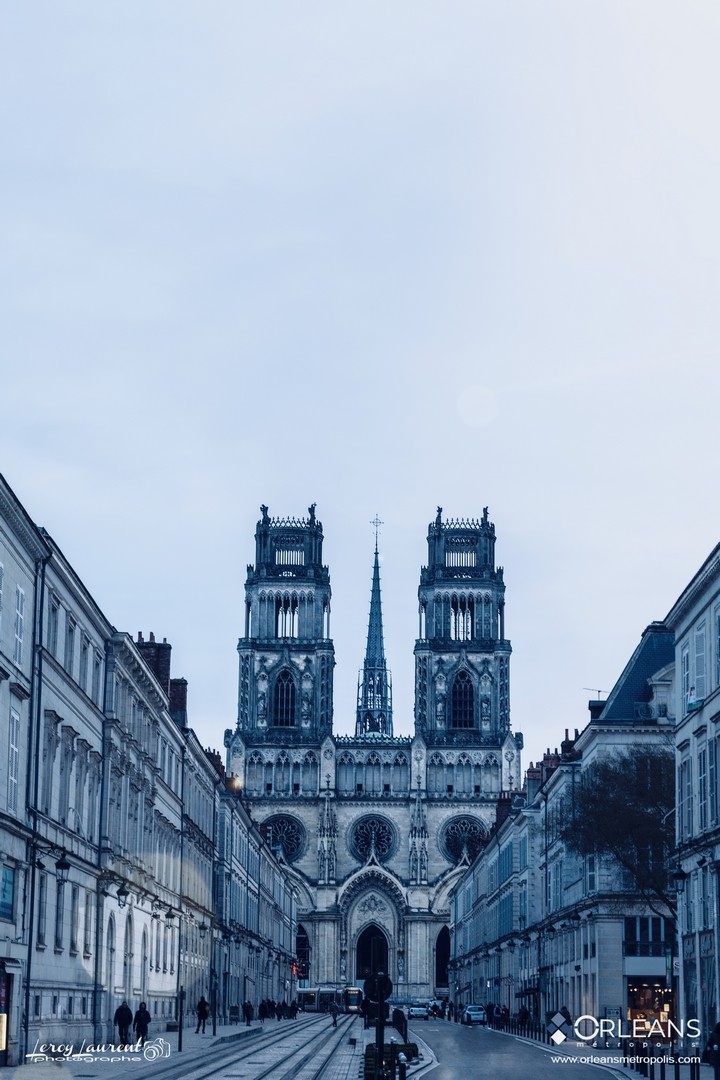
(374, 701)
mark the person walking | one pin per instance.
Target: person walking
(334, 1013)
(262, 1011)
(122, 1020)
(203, 1011)
(141, 1023)
(247, 1012)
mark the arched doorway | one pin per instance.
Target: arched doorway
(442, 958)
(371, 954)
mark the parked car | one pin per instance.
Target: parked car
(417, 1011)
(473, 1014)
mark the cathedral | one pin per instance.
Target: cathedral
(375, 829)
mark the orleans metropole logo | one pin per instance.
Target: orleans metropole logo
(590, 1028)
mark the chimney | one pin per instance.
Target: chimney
(178, 701)
(157, 657)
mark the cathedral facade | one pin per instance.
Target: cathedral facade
(375, 829)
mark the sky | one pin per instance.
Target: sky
(381, 257)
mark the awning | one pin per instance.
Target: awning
(527, 992)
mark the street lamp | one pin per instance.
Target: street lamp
(62, 869)
(122, 895)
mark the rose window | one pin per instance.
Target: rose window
(373, 834)
(287, 833)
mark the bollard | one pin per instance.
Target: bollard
(402, 1066)
(393, 1052)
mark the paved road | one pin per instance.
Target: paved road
(464, 1053)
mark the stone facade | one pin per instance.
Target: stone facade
(536, 925)
(129, 868)
(375, 828)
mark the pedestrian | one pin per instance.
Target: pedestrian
(203, 1011)
(451, 1010)
(262, 1011)
(334, 1013)
(365, 1010)
(564, 1011)
(279, 1010)
(247, 1012)
(294, 1010)
(711, 1053)
(122, 1020)
(141, 1023)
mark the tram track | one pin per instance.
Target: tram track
(307, 1060)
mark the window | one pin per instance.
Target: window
(286, 616)
(713, 781)
(84, 653)
(702, 789)
(87, 925)
(19, 624)
(97, 669)
(42, 909)
(69, 644)
(53, 626)
(284, 701)
(74, 917)
(685, 798)
(462, 702)
(7, 892)
(2, 574)
(462, 614)
(700, 661)
(685, 676)
(59, 915)
(13, 761)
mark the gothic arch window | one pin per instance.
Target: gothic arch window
(286, 615)
(310, 774)
(284, 700)
(373, 833)
(492, 773)
(373, 781)
(436, 775)
(287, 833)
(400, 774)
(346, 774)
(462, 618)
(462, 702)
(463, 776)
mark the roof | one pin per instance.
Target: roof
(655, 651)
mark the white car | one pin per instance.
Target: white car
(417, 1011)
(473, 1014)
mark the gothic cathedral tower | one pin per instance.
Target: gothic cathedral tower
(286, 655)
(462, 657)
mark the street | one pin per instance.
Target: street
(464, 1052)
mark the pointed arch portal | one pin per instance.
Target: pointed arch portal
(371, 955)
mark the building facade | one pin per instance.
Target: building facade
(538, 926)
(695, 620)
(119, 838)
(375, 828)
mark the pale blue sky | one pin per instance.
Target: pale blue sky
(381, 257)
